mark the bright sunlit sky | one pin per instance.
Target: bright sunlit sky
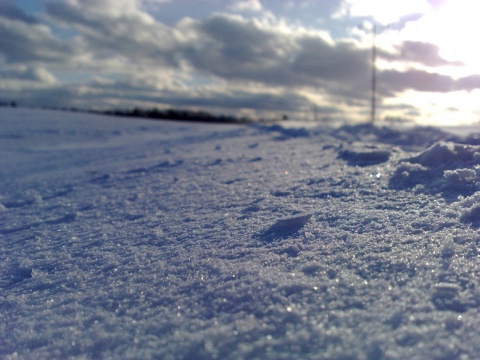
(306, 59)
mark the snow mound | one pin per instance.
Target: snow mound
(446, 155)
(449, 168)
(365, 154)
(408, 138)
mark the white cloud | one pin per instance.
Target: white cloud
(385, 12)
(247, 5)
(31, 74)
(42, 75)
(154, 2)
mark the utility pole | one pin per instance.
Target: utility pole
(374, 74)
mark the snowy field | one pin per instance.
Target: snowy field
(134, 239)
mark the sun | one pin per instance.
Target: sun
(453, 27)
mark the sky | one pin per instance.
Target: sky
(305, 59)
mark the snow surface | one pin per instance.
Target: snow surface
(135, 239)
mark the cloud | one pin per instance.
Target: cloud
(24, 42)
(403, 109)
(115, 32)
(468, 83)
(228, 47)
(394, 81)
(420, 52)
(404, 20)
(41, 75)
(436, 3)
(246, 5)
(231, 47)
(234, 48)
(383, 12)
(34, 74)
(9, 11)
(341, 63)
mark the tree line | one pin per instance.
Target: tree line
(177, 114)
(160, 114)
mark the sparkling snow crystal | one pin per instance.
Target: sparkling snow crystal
(135, 239)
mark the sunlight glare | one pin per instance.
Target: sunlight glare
(452, 27)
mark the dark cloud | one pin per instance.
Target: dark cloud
(26, 43)
(234, 48)
(420, 52)
(340, 62)
(231, 47)
(337, 69)
(393, 81)
(404, 20)
(468, 83)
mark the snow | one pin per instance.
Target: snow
(136, 239)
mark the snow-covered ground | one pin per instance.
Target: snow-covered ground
(135, 239)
